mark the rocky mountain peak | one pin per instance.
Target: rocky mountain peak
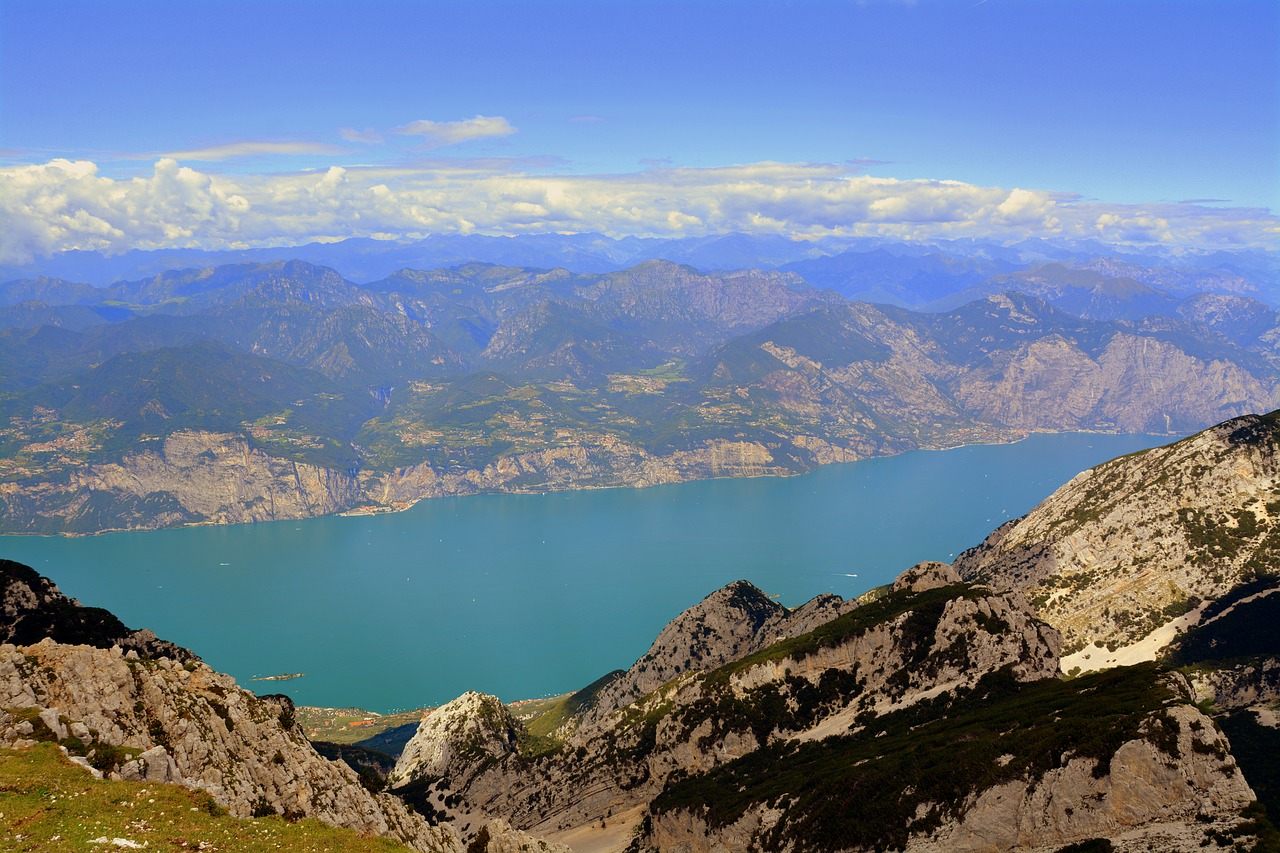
(926, 576)
(727, 625)
(474, 728)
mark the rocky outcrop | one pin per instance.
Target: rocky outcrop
(472, 730)
(163, 721)
(1126, 548)
(32, 608)
(734, 674)
(727, 625)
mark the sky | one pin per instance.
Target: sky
(228, 124)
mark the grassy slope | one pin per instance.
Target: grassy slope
(49, 804)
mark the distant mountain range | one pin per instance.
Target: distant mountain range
(140, 404)
(875, 269)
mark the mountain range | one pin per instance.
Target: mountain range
(916, 271)
(257, 391)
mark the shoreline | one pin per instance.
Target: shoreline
(375, 509)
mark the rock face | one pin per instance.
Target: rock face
(139, 708)
(189, 724)
(1124, 549)
(32, 608)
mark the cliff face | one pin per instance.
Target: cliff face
(193, 476)
(1127, 552)
(1135, 384)
(136, 707)
(611, 462)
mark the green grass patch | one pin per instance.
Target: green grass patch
(49, 804)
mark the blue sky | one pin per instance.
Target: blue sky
(912, 119)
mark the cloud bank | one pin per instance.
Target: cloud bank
(63, 204)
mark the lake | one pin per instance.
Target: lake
(534, 595)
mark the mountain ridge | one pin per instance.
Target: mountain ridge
(484, 378)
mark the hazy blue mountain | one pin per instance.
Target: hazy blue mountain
(364, 260)
(897, 279)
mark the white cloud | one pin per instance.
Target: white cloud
(368, 136)
(440, 133)
(63, 205)
(233, 150)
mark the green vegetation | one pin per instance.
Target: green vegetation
(1246, 630)
(1254, 825)
(926, 608)
(1255, 748)
(865, 789)
(49, 804)
(542, 733)
(1215, 538)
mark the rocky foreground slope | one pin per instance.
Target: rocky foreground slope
(162, 716)
(929, 716)
(1128, 553)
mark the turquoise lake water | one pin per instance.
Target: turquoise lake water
(534, 595)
